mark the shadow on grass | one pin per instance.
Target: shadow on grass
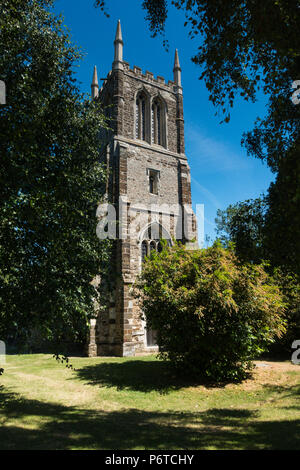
(62, 427)
(137, 375)
(284, 390)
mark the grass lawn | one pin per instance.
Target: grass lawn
(134, 403)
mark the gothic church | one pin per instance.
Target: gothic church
(149, 186)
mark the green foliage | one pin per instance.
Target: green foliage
(212, 314)
(50, 179)
(269, 228)
(243, 224)
(290, 287)
(282, 224)
(156, 17)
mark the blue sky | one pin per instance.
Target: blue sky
(221, 171)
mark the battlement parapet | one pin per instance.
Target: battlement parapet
(147, 77)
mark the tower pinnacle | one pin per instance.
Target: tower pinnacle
(95, 85)
(177, 69)
(118, 43)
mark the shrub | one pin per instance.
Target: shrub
(212, 314)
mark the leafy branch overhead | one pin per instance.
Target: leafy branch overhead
(242, 44)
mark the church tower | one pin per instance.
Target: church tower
(148, 186)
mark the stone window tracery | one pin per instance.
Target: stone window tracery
(156, 122)
(150, 122)
(140, 117)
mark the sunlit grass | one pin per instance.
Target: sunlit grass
(136, 403)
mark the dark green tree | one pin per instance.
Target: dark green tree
(262, 229)
(282, 224)
(243, 224)
(50, 179)
(268, 227)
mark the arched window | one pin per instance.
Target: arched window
(151, 239)
(140, 116)
(156, 122)
(144, 250)
(152, 245)
(159, 247)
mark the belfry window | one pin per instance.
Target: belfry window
(140, 117)
(150, 119)
(156, 123)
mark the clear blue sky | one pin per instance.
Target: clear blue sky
(222, 173)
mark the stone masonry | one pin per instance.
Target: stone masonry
(146, 141)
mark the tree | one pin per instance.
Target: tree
(261, 229)
(282, 224)
(243, 224)
(268, 227)
(290, 288)
(212, 313)
(50, 178)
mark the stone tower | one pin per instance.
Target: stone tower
(148, 186)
